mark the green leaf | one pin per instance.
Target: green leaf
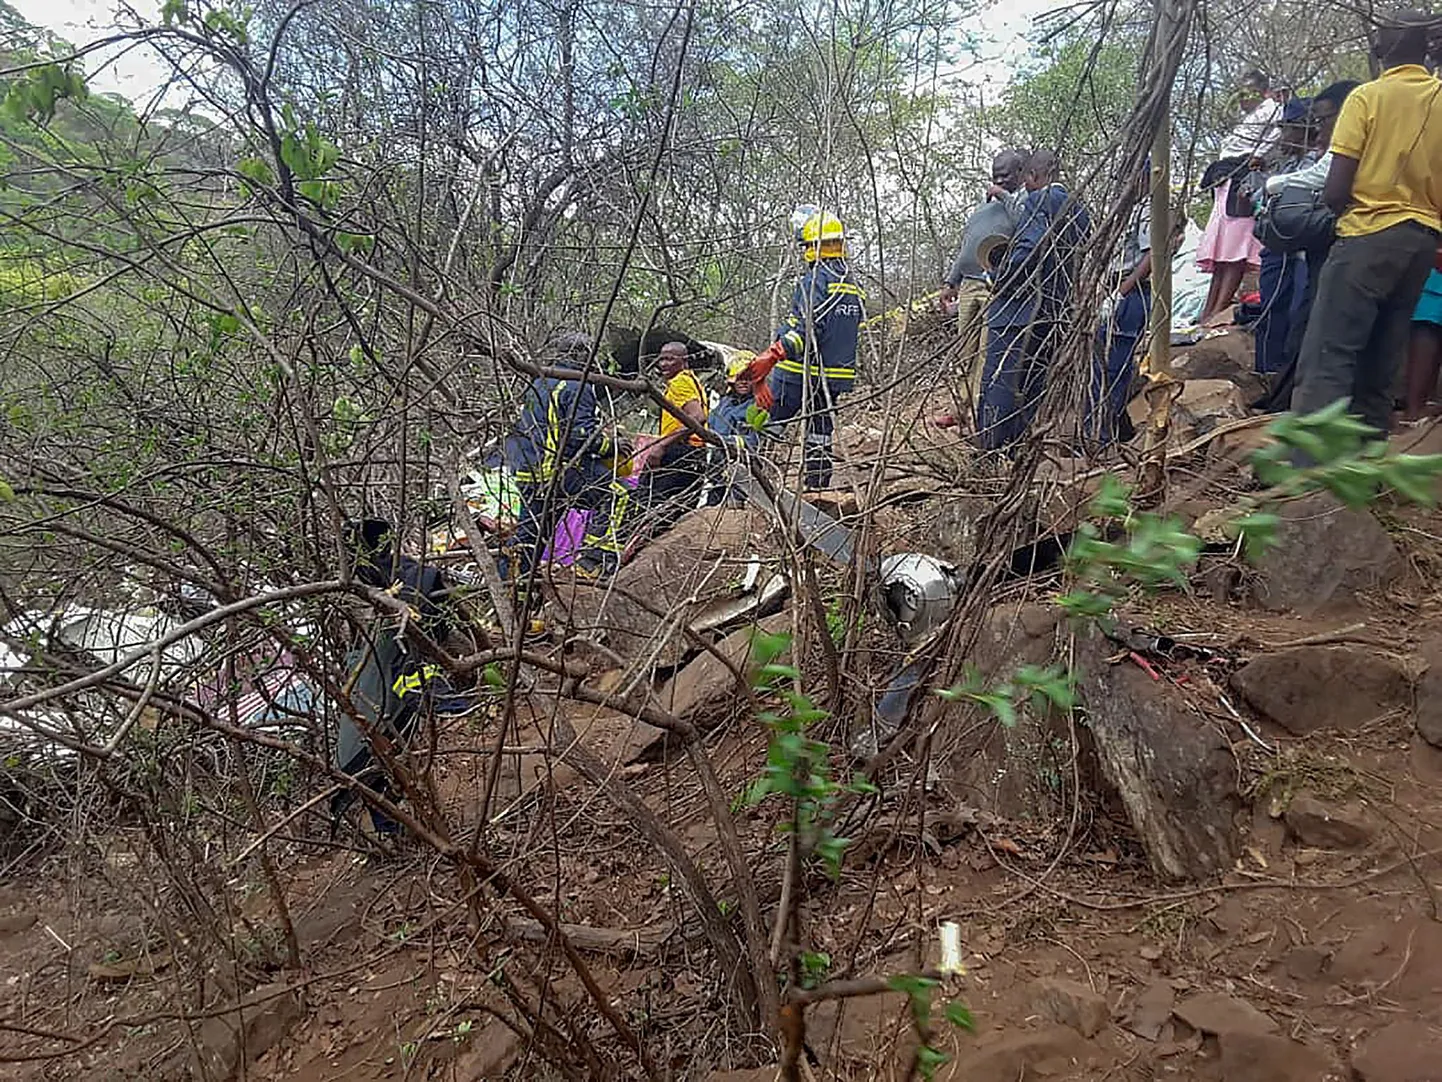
(912, 985)
(256, 170)
(1258, 532)
(354, 242)
(831, 850)
(757, 417)
(861, 785)
(814, 967)
(959, 1015)
(1050, 684)
(1113, 498)
(7, 494)
(930, 1060)
(767, 648)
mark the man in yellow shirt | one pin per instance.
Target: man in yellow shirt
(1385, 183)
(674, 465)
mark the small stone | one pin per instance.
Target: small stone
(1017, 1054)
(1150, 953)
(1213, 1012)
(1308, 688)
(1226, 357)
(706, 688)
(1152, 1010)
(1429, 697)
(17, 922)
(1306, 963)
(1206, 403)
(1257, 1057)
(1324, 826)
(225, 1041)
(1071, 1004)
(1401, 1052)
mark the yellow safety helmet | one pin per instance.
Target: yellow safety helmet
(820, 233)
(739, 364)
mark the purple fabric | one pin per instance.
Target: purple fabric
(570, 534)
(565, 546)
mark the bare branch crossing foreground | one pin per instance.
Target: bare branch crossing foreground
(304, 285)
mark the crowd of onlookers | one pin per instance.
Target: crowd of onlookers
(1334, 201)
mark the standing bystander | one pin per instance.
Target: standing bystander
(968, 282)
(1228, 247)
(1385, 184)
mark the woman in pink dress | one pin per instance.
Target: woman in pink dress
(1227, 246)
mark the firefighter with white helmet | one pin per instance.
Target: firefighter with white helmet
(813, 360)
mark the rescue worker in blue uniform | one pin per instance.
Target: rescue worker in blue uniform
(562, 458)
(812, 363)
(1030, 302)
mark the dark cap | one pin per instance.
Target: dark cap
(1296, 110)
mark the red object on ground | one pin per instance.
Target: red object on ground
(945, 420)
(1144, 666)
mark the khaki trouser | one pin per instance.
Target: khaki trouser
(972, 297)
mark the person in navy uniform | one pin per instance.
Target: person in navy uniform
(1031, 297)
(562, 458)
(812, 362)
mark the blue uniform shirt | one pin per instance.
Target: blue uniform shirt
(535, 446)
(821, 331)
(728, 420)
(1034, 278)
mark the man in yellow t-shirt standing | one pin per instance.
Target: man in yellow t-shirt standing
(1385, 183)
(673, 467)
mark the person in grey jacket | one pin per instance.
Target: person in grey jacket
(968, 283)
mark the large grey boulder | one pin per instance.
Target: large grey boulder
(1308, 688)
(1325, 555)
(1173, 770)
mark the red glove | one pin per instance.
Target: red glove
(757, 371)
(764, 362)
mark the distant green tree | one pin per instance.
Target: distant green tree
(1073, 96)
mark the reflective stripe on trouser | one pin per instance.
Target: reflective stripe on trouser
(585, 486)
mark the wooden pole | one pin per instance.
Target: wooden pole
(1162, 388)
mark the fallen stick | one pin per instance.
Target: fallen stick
(643, 942)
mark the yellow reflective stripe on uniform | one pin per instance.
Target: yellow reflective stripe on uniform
(553, 432)
(797, 368)
(408, 682)
(845, 287)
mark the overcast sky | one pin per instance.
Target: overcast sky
(1000, 29)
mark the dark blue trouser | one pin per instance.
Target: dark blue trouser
(1012, 382)
(1283, 286)
(588, 485)
(1114, 366)
(820, 423)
